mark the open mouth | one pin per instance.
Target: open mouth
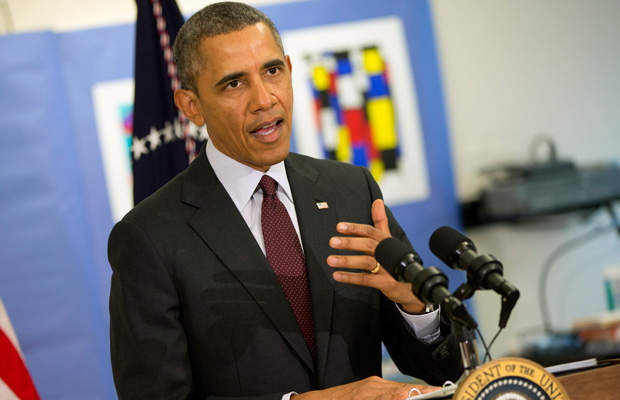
(267, 129)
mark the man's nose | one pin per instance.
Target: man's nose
(263, 97)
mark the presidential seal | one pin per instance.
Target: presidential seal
(510, 379)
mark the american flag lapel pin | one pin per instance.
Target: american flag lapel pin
(322, 205)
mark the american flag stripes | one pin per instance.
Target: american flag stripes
(15, 380)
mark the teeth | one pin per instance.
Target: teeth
(265, 127)
(268, 132)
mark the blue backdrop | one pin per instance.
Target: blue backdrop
(54, 212)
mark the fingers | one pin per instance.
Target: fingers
(367, 263)
(379, 217)
(381, 281)
(363, 244)
(374, 388)
(365, 237)
(421, 389)
(399, 292)
(361, 230)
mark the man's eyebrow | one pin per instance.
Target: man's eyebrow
(237, 75)
(273, 63)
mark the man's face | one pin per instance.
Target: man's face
(246, 96)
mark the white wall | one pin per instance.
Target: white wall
(511, 69)
(61, 15)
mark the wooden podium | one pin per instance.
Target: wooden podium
(599, 383)
(514, 376)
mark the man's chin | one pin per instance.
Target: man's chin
(265, 159)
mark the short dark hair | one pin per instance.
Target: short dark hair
(215, 19)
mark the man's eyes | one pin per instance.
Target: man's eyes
(233, 84)
(273, 70)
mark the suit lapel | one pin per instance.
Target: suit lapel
(220, 225)
(317, 226)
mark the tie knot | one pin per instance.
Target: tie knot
(268, 185)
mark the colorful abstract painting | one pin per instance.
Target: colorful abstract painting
(355, 102)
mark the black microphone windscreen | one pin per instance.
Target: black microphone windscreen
(390, 252)
(444, 241)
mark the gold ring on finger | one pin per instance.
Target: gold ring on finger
(376, 269)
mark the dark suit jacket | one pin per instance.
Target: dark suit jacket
(197, 312)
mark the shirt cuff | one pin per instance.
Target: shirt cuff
(289, 395)
(425, 326)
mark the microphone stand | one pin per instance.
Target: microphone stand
(465, 335)
(469, 349)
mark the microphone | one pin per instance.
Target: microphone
(429, 284)
(457, 251)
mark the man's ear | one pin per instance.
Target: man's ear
(288, 62)
(187, 101)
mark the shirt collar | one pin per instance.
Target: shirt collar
(240, 180)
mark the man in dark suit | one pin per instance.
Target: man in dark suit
(196, 309)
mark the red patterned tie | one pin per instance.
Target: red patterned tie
(286, 258)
